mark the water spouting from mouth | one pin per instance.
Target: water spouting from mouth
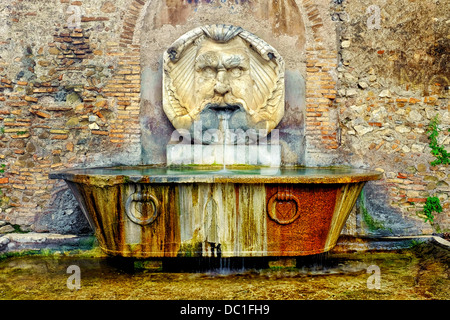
(223, 126)
(224, 114)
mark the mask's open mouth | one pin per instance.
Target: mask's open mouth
(224, 107)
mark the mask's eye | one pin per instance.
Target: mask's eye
(209, 72)
(235, 72)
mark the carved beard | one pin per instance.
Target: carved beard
(226, 103)
(212, 111)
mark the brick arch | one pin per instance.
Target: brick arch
(135, 10)
(131, 17)
(321, 125)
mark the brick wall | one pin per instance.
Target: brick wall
(70, 98)
(321, 88)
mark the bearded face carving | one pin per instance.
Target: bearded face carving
(219, 70)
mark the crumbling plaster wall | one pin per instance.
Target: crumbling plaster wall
(393, 79)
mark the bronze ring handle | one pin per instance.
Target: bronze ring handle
(283, 196)
(140, 197)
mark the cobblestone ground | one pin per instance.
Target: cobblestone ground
(414, 274)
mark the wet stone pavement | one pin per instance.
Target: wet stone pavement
(418, 273)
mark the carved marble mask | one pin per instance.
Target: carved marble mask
(216, 72)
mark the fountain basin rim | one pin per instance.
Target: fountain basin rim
(109, 176)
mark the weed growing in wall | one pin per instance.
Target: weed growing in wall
(433, 203)
(442, 156)
(2, 165)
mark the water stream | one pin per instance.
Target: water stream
(223, 126)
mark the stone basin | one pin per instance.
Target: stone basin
(148, 211)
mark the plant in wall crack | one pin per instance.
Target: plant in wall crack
(442, 155)
(432, 205)
(2, 165)
(2, 170)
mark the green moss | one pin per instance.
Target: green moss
(371, 223)
(148, 265)
(81, 253)
(189, 250)
(88, 243)
(87, 247)
(17, 229)
(23, 253)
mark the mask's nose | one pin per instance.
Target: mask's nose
(222, 85)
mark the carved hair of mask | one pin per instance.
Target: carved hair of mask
(219, 72)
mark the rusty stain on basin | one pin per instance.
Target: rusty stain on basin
(148, 211)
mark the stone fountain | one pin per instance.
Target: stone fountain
(224, 191)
